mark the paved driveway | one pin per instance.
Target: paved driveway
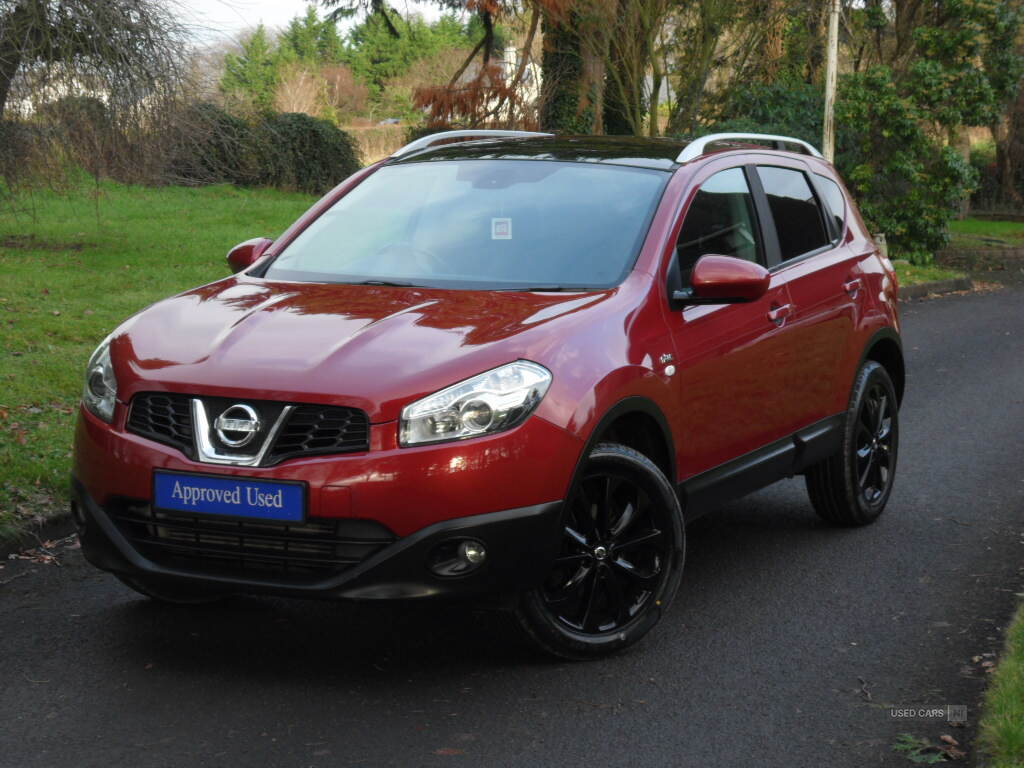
(787, 644)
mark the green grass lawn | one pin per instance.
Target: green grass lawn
(978, 233)
(72, 266)
(1002, 724)
(911, 274)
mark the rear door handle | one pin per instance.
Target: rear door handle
(778, 314)
(852, 287)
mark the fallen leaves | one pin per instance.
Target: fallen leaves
(47, 553)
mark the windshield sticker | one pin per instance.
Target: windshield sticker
(501, 229)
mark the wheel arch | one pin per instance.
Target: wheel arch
(886, 349)
(638, 423)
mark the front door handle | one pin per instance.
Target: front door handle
(852, 287)
(778, 313)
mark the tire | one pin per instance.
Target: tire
(852, 487)
(170, 593)
(620, 561)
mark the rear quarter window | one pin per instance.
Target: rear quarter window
(835, 201)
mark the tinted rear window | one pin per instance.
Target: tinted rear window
(834, 199)
(795, 210)
(481, 224)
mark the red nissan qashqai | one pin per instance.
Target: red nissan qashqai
(500, 364)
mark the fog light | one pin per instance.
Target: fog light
(457, 557)
(472, 552)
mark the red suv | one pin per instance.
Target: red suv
(513, 365)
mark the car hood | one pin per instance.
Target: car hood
(370, 347)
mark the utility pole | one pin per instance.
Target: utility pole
(831, 79)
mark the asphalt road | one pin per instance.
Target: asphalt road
(786, 646)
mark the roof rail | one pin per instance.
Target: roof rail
(697, 147)
(436, 138)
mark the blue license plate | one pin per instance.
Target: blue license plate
(231, 496)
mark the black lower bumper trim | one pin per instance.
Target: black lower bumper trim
(520, 544)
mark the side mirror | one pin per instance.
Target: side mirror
(244, 255)
(724, 280)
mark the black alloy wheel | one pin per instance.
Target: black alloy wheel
(853, 486)
(874, 443)
(619, 563)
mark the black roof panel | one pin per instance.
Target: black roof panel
(613, 150)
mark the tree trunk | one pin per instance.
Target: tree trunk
(691, 86)
(10, 51)
(657, 78)
(774, 40)
(619, 87)
(573, 74)
(1009, 157)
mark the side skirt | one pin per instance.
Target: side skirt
(784, 458)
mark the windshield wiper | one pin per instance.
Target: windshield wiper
(542, 289)
(390, 283)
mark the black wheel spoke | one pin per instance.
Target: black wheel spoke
(866, 419)
(604, 508)
(629, 514)
(883, 456)
(569, 559)
(570, 591)
(616, 596)
(881, 408)
(644, 580)
(586, 514)
(589, 593)
(866, 472)
(640, 539)
(575, 536)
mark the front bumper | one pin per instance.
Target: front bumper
(520, 543)
(501, 490)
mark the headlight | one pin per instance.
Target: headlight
(100, 389)
(491, 402)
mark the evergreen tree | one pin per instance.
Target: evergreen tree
(252, 75)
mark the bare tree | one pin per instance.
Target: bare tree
(123, 52)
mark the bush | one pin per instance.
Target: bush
(210, 146)
(296, 151)
(989, 194)
(789, 109)
(82, 129)
(289, 151)
(907, 184)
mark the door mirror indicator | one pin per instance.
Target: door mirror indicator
(723, 280)
(244, 255)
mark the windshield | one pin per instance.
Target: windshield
(493, 224)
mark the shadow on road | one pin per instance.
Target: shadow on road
(333, 643)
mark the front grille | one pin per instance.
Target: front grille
(314, 429)
(164, 417)
(294, 552)
(309, 431)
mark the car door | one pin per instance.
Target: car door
(821, 273)
(726, 355)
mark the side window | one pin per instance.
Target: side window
(720, 220)
(795, 210)
(834, 199)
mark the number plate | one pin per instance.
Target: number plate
(229, 496)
